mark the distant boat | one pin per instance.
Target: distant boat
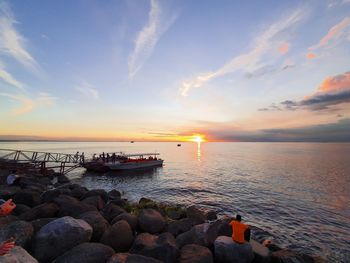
(132, 142)
(179, 145)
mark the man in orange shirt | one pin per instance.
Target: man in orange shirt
(240, 231)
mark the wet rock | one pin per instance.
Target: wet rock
(39, 223)
(118, 201)
(162, 247)
(79, 192)
(70, 206)
(98, 223)
(178, 227)
(144, 201)
(58, 236)
(41, 211)
(95, 201)
(62, 179)
(50, 195)
(261, 253)
(22, 231)
(17, 255)
(195, 254)
(7, 220)
(27, 197)
(100, 192)
(287, 256)
(20, 209)
(196, 235)
(196, 215)
(131, 219)
(227, 251)
(110, 211)
(119, 236)
(151, 221)
(86, 253)
(114, 194)
(176, 213)
(211, 215)
(131, 258)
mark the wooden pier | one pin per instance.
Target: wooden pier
(40, 160)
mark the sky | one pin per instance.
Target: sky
(156, 70)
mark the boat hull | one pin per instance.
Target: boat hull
(135, 165)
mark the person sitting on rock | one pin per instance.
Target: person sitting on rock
(240, 231)
(6, 246)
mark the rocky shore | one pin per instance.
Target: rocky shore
(65, 222)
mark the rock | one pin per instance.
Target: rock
(211, 215)
(41, 211)
(261, 253)
(176, 213)
(196, 215)
(17, 255)
(203, 235)
(110, 211)
(79, 192)
(58, 236)
(118, 201)
(195, 254)
(227, 251)
(114, 194)
(27, 197)
(98, 223)
(162, 247)
(5, 220)
(50, 195)
(70, 206)
(20, 209)
(151, 221)
(144, 201)
(131, 219)
(62, 179)
(287, 256)
(178, 227)
(7, 192)
(22, 231)
(39, 223)
(100, 192)
(119, 236)
(87, 253)
(131, 258)
(95, 201)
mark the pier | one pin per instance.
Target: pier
(17, 159)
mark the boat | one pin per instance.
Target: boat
(124, 161)
(179, 145)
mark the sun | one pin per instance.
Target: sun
(198, 139)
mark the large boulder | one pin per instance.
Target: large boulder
(151, 221)
(22, 231)
(178, 227)
(95, 201)
(131, 219)
(41, 211)
(227, 251)
(287, 256)
(7, 220)
(70, 206)
(50, 195)
(40, 222)
(27, 197)
(59, 236)
(100, 192)
(79, 192)
(195, 254)
(20, 209)
(162, 247)
(119, 236)
(110, 211)
(131, 258)
(196, 235)
(86, 253)
(114, 194)
(196, 215)
(17, 255)
(261, 253)
(98, 223)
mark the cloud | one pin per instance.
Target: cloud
(87, 89)
(148, 37)
(11, 41)
(28, 104)
(262, 45)
(283, 48)
(333, 34)
(333, 90)
(8, 78)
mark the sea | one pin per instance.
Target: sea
(298, 193)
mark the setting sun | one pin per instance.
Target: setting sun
(197, 138)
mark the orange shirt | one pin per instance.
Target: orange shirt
(238, 229)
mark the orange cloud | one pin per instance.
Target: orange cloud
(336, 83)
(310, 55)
(283, 48)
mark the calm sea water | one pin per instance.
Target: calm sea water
(298, 192)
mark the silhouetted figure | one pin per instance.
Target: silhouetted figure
(103, 157)
(114, 157)
(108, 157)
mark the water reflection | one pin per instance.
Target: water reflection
(199, 151)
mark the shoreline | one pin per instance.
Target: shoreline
(42, 205)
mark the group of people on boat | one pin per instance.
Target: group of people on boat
(106, 158)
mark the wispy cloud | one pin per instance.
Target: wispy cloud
(334, 33)
(148, 37)
(8, 78)
(27, 104)
(12, 43)
(87, 89)
(248, 61)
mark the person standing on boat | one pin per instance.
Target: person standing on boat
(103, 157)
(114, 158)
(240, 231)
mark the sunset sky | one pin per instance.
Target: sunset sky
(167, 70)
